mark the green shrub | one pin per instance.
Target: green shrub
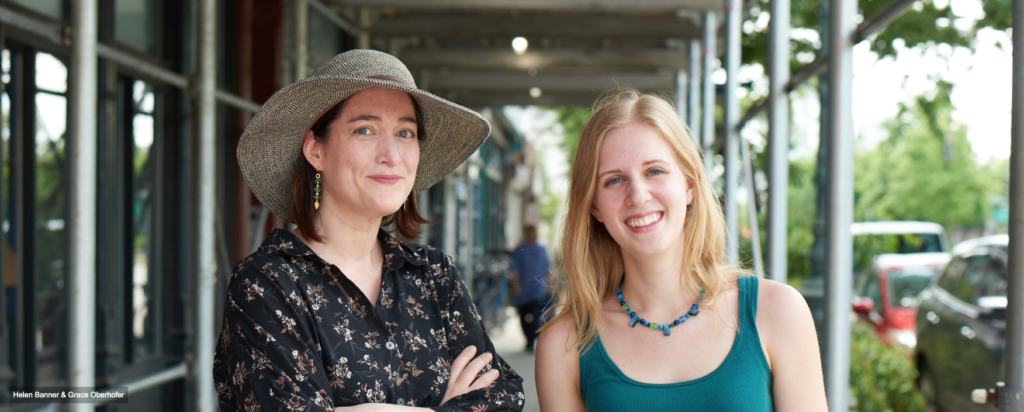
(881, 377)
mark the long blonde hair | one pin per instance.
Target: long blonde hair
(593, 265)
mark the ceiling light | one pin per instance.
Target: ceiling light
(519, 45)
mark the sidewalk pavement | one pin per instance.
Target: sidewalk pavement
(510, 344)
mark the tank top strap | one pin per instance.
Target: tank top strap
(748, 302)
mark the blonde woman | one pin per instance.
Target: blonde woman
(652, 319)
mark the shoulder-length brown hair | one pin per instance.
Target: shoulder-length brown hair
(406, 221)
(592, 260)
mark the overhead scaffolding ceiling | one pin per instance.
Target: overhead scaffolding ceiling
(462, 49)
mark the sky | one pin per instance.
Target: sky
(981, 93)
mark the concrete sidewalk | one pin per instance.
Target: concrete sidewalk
(510, 343)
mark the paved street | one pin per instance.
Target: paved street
(509, 342)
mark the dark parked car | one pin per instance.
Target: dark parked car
(961, 326)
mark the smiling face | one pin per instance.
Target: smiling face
(368, 163)
(641, 194)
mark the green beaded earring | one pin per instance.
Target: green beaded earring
(316, 192)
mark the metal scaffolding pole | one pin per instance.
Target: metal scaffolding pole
(710, 48)
(206, 276)
(364, 28)
(1011, 396)
(301, 38)
(755, 233)
(84, 163)
(778, 138)
(683, 94)
(693, 95)
(681, 99)
(334, 17)
(732, 143)
(839, 247)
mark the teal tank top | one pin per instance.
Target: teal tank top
(743, 382)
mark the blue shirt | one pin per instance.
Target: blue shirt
(531, 263)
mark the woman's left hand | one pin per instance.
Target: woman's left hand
(465, 370)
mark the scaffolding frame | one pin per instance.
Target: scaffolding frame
(844, 33)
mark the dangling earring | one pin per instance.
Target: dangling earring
(316, 192)
(404, 203)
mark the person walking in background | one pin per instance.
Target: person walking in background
(530, 267)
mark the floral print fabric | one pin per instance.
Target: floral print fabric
(298, 335)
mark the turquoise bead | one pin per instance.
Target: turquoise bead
(665, 328)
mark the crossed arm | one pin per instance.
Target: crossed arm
(283, 371)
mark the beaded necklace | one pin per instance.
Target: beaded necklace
(634, 318)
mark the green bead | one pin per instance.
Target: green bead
(654, 326)
(625, 308)
(317, 197)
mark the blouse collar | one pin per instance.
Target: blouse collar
(286, 243)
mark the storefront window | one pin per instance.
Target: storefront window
(143, 176)
(50, 8)
(137, 24)
(10, 256)
(51, 216)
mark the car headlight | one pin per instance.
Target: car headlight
(904, 337)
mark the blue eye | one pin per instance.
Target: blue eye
(612, 181)
(363, 130)
(406, 133)
(658, 171)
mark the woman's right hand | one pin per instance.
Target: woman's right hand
(463, 376)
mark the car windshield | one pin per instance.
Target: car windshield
(904, 285)
(867, 246)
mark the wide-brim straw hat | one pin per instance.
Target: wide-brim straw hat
(271, 146)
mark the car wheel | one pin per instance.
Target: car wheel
(926, 384)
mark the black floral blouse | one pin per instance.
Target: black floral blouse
(298, 335)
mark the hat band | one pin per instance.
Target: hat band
(392, 79)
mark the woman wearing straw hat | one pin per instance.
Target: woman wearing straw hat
(340, 314)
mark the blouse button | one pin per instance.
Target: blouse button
(390, 345)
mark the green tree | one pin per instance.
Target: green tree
(572, 119)
(925, 170)
(801, 198)
(922, 24)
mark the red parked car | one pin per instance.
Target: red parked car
(886, 295)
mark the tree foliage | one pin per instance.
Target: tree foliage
(572, 119)
(881, 376)
(924, 23)
(925, 170)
